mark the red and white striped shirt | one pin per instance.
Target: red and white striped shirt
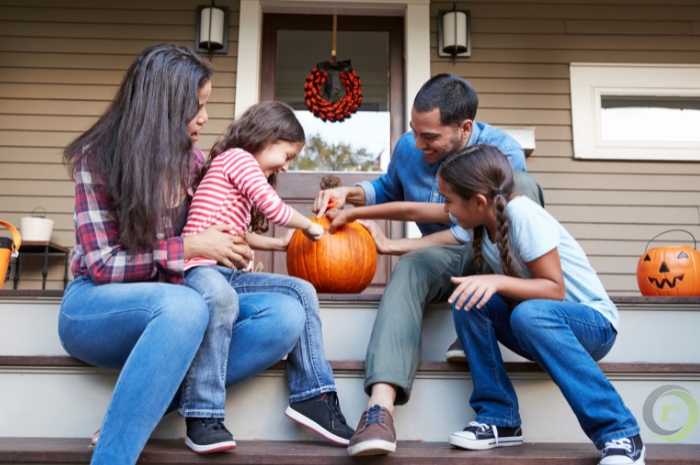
(233, 184)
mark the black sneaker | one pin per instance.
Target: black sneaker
(322, 415)
(480, 436)
(624, 451)
(208, 435)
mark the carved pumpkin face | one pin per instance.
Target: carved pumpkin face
(669, 271)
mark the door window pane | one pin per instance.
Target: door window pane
(637, 118)
(360, 143)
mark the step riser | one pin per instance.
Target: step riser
(661, 336)
(71, 403)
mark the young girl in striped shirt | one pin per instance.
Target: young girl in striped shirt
(236, 189)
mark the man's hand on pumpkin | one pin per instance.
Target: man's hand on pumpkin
(328, 199)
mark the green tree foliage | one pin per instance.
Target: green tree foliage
(318, 155)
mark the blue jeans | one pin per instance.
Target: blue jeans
(566, 339)
(204, 386)
(308, 371)
(152, 332)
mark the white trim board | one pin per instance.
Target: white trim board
(590, 81)
(416, 37)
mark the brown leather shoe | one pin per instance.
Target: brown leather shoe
(455, 353)
(375, 435)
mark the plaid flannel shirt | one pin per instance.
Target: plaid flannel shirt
(98, 253)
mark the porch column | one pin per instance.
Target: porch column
(249, 45)
(417, 36)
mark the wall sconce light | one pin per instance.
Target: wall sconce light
(212, 29)
(454, 33)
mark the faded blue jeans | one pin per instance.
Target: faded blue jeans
(152, 332)
(204, 386)
(564, 338)
(308, 371)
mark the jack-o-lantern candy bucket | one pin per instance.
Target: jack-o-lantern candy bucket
(669, 271)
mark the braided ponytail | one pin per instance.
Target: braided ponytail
(503, 235)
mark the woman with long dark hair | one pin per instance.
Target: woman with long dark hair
(133, 170)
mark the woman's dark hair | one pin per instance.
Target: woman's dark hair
(140, 148)
(260, 125)
(483, 169)
(455, 97)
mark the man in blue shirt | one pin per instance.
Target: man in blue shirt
(442, 122)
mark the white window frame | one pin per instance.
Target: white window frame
(590, 81)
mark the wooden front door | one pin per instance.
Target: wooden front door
(292, 45)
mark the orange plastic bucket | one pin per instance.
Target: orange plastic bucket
(7, 247)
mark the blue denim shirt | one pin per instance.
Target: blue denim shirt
(410, 178)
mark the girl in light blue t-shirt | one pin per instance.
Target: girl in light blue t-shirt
(544, 302)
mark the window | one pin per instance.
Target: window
(294, 44)
(640, 112)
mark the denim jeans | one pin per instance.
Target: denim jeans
(152, 332)
(566, 339)
(204, 386)
(308, 371)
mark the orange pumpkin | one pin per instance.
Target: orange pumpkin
(669, 271)
(340, 263)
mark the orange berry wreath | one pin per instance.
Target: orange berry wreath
(325, 82)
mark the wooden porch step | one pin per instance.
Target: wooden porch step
(56, 451)
(65, 361)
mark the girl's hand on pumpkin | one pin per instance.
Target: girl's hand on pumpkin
(380, 240)
(314, 231)
(473, 290)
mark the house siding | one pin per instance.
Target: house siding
(61, 63)
(519, 65)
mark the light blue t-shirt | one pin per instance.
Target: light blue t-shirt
(533, 233)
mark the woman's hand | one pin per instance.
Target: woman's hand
(473, 290)
(216, 243)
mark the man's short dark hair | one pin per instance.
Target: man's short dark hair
(455, 97)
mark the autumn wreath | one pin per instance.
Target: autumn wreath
(326, 83)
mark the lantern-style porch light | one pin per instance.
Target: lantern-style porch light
(212, 29)
(454, 33)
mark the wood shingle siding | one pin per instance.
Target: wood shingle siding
(60, 65)
(521, 52)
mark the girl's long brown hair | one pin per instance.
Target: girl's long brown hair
(260, 125)
(483, 169)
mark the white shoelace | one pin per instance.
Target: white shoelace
(485, 427)
(623, 443)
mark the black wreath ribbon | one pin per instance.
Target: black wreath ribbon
(333, 87)
(326, 83)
